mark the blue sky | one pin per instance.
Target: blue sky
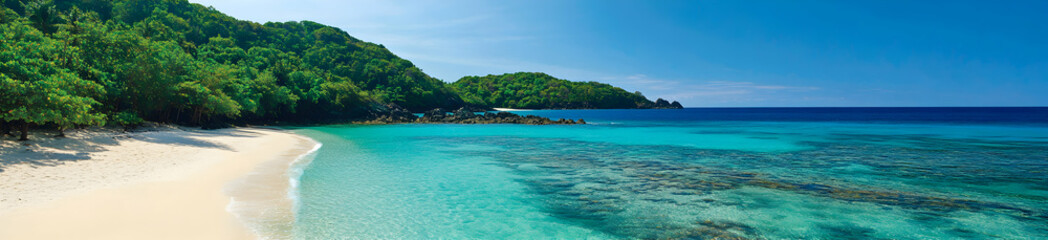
(716, 53)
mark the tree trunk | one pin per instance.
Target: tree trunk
(25, 132)
(197, 114)
(5, 128)
(61, 132)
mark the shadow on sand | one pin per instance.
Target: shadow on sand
(43, 150)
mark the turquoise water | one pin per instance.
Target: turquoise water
(678, 178)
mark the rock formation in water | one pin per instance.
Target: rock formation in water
(393, 114)
(663, 104)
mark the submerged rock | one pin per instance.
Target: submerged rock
(462, 116)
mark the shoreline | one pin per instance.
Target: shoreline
(266, 199)
(167, 184)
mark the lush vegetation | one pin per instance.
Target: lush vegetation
(541, 91)
(92, 62)
(66, 63)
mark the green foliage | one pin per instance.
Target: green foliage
(221, 50)
(35, 84)
(274, 100)
(127, 119)
(204, 94)
(541, 91)
(7, 14)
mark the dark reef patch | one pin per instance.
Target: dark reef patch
(641, 191)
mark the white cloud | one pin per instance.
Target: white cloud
(709, 91)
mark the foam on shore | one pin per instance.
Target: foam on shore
(295, 171)
(266, 200)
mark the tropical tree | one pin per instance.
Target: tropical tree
(221, 50)
(7, 14)
(34, 86)
(148, 82)
(43, 14)
(203, 95)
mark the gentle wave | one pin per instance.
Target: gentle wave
(295, 171)
(258, 215)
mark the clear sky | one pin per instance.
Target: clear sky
(716, 53)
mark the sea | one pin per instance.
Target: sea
(695, 173)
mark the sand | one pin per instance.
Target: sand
(167, 184)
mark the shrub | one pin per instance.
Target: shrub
(128, 120)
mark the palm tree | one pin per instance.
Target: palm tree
(43, 15)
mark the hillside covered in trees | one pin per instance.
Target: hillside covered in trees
(90, 62)
(541, 91)
(81, 62)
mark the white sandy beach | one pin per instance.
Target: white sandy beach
(168, 184)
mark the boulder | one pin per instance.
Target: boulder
(465, 112)
(435, 112)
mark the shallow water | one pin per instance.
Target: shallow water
(684, 177)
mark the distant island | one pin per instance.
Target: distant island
(528, 90)
(76, 63)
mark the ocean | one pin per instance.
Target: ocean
(697, 173)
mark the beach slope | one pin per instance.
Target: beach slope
(170, 184)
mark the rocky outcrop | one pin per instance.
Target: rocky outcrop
(469, 117)
(391, 113)
(663, 104)
(464, 116)
(676, 105)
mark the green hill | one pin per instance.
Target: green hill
(174, 61)
(541, 91)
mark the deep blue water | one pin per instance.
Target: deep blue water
(745, 173)
(942, 115)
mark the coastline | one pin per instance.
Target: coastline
(168, 184)
(266, 199)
